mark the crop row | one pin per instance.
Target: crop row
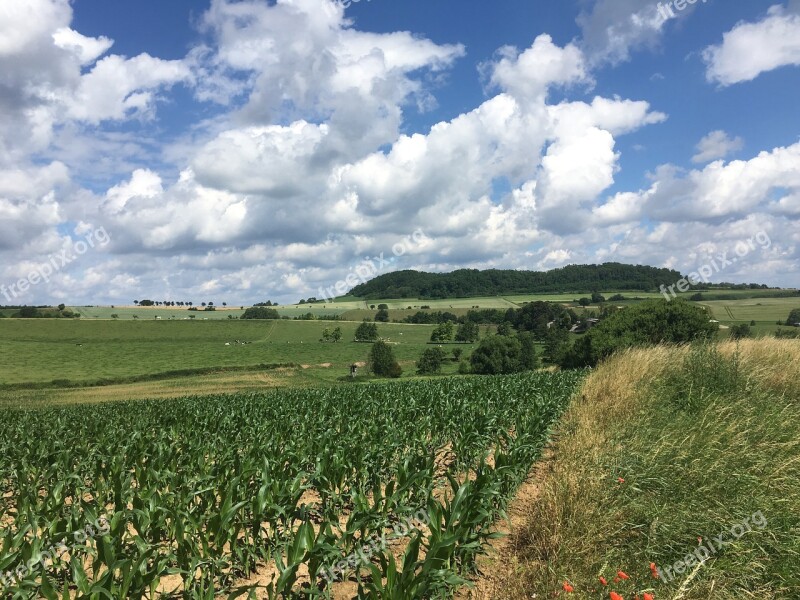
(204, 495)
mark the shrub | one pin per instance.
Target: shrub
(260, 312)
(794, 317)
(648, 323)
(443, 332)
(430, 363)
(366, 332)
(468, 332)
(381, 361)
(497, 355)
(740, 331)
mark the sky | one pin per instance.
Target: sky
(239, 151)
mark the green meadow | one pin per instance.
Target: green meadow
(62, 353)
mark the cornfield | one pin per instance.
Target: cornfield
(260, 495)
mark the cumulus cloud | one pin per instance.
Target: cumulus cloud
(717, 144)
(307, 163)
(612, 29)
(750, 49)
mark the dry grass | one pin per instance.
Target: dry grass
(689, 470)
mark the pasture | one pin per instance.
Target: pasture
(61, 353)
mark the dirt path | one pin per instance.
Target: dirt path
(503, 556)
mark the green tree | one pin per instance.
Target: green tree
(740, 331)
(260, 312)
(381, 361)
(383, 307)
(794, 317)
(528, 358)
(647, 323)
(336, 335)
(430, 363)
(443, 332)
(366, 332)
(504, 328)
(585, 302)
(468, 332)
(556, 345)
(457, 352)
(597, 298)
(382, 316)
(497, 355)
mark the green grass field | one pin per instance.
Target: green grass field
(38, 351)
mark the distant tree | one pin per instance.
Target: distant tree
(135, 302)
(115, 316)
(61, 307)
(528, 358)
(647, 323)
(202, 304)
(430, 363)
(211, 304)
(597, 298)
(497, 355)
(383, 307)
(698, 297)
(468, 332)
(556, 345)
(260, 312)
(372, 307)
(585, 302)
(366, 332)
(794, 317)
(381, 361)
(29, 312)
(457, 352)
(504, 328)
(442, 333)
(740, 331)
(382, 316)
(135, 317)
(336, 335)
(617, 298)
(224, 304)
(302, 301)
(753, 323)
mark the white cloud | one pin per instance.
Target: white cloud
(612, 29)
(717, 144)
(87, 49)
(750, 49)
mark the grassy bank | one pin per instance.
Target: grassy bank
(665, 451)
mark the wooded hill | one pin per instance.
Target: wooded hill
(467, 283)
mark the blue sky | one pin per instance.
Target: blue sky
(241, 151)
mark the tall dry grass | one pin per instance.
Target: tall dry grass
(702, 437)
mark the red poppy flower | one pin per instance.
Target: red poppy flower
(620, 480)
(622, 575)
(654, 570)
(568, 588)
(603, 581)
(649, 597)
(615, 596)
